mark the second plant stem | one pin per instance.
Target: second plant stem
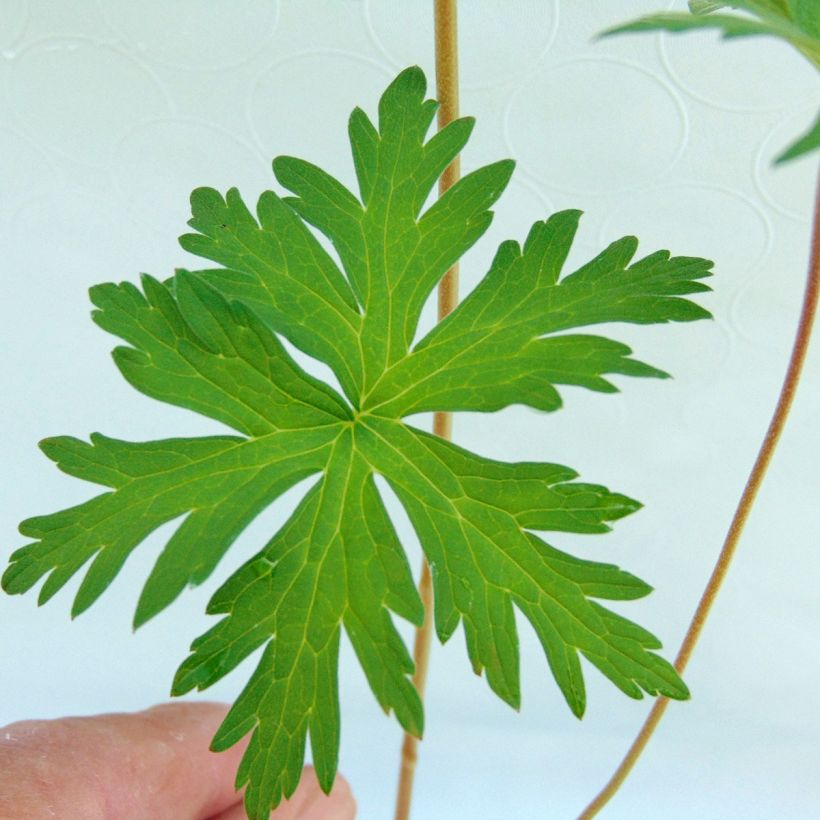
(753, 483)
(447, 94)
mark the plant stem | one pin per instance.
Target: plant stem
(764, 457)
(446, 35)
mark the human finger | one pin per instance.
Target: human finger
(154, 764)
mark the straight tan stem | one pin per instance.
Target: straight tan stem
(764, 457)
(447, 95)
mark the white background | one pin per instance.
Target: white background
(111, 112)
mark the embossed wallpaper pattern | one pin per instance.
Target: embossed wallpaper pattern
(111, 112)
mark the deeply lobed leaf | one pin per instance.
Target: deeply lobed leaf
(209, 341)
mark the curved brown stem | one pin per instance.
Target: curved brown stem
(764, 457)
(447, 94)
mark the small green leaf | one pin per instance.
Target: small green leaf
(810, 141)
(730, 26)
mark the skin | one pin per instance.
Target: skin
(153, 764)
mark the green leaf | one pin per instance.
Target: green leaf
(730, 26)
(209, 341)
(808, 142)
(796, 22)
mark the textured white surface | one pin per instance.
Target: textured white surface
(111, 112)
